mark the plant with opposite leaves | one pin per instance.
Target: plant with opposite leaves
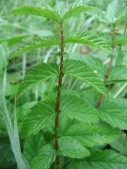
(71, 122)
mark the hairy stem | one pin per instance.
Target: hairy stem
(59, 95)
(109, 67)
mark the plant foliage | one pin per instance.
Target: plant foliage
(69, 114)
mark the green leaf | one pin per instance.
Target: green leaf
(107, 159)
(7, 158)
(29, 148)
(118, 74)
(36, 43)
(74, 10)
(48, 13)
(4, 53)
(82, 71)
(15, 39)
(112, 11)
(44, 158)
(93, 62)
(100, 15)
(85, 38)
(76, 108)
(90, 39)
(114, 112)
(12, 130)
(41, 116)
(120, 40)
(120, 144)
(119, 57)
(23, 111)
(115, 13)
(37, 75)
(122, 16)
(90, 135)
(70, 147)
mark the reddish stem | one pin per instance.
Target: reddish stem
(108, 69)
(59, 95)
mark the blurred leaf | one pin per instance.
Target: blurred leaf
(112, 10)
(119, 57)
(115, 13)
(100, 15)
(4, 53)
(120, 40)
(12, 41)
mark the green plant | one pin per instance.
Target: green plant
(12, 128)
(66, 124)
(113, 16)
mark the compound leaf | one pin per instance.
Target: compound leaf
(42, 115)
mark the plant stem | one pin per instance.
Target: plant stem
(59, 94)
(109, 67)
